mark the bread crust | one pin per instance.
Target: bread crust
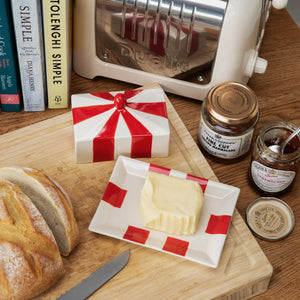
(51, 200)
(30, 261)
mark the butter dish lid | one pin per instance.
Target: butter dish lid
(270, 218)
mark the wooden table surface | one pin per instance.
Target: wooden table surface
(278, 91)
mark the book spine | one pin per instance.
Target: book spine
(30, 47)
(57, 18)
(10, 94)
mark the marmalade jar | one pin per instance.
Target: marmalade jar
(274, 173)
(228, 117)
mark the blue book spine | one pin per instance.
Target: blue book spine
(10, 87)
(28, 25)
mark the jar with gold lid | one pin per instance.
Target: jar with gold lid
(228, 117)
(271, 172)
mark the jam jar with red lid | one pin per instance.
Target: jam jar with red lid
(228, 117)
(272, 172)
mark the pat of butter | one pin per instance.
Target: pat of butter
(171, 204)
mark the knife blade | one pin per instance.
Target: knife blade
(92, 283)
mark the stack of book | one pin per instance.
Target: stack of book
(35, 54)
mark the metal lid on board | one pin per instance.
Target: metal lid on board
(232, 103)
(270, 218)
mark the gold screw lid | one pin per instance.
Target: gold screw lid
(232, 103)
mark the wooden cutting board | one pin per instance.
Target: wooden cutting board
(243, 272)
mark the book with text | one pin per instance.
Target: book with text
(10, 94)
(30, 46)
(57, 16)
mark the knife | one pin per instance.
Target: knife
(92, 283)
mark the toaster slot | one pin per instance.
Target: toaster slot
(168, 38)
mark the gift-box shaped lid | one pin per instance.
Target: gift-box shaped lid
(131, 123)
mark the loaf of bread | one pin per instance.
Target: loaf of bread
(52, 202)
(30, 261)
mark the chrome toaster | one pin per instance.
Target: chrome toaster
(187, 46)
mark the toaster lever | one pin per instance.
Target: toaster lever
(255, 64)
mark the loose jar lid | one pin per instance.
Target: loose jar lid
(270, 218)
(232, 103)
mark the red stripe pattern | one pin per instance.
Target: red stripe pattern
(104, 141)
(137, 235)
(158, 169)
(218, 224)
(176, 246)
(201, 181)
(162, 170)
(114, 195)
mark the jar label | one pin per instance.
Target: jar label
(271, 180)
(222, 145)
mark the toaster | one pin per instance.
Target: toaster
(187, 46)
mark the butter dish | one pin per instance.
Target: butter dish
(118, 214)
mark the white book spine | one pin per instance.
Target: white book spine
(29, 37)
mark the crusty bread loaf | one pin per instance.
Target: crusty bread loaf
(30, 261)
(52, 202)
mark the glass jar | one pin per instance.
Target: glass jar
(228, 117)
(274, 173)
